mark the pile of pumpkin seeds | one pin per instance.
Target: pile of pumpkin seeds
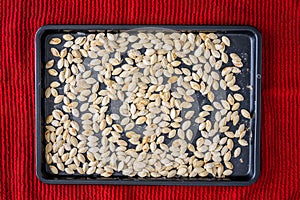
(130, 104)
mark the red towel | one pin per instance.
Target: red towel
(277, 20)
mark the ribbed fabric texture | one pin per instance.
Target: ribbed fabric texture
(277, 20)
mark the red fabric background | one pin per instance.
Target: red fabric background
(277, 20)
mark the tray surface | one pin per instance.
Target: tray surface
(245, 41)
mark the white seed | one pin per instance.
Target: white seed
(243, 142)
(234, 88)
(227, 172)
(238, 97)
(140, 120)
(49, 64)
(172, 133)
(186, 125)
(115, 116)
(68, 37)
(55, 52)
(245, 114)
(189, 114)
(58, 99)
(189, 134)
(84, 107)
(225, 104)
(237, 152)
(55, 41)
(53, 169)
(226, 40)
(52, 72)
(235, 57)
(207, 108)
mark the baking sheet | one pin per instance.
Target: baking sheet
(245, 41)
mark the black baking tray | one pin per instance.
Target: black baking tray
(245, 40)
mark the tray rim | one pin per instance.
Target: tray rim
(131, 181)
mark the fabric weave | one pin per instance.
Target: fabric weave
(277, 20)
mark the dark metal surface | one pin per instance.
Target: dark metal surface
(245, 41)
